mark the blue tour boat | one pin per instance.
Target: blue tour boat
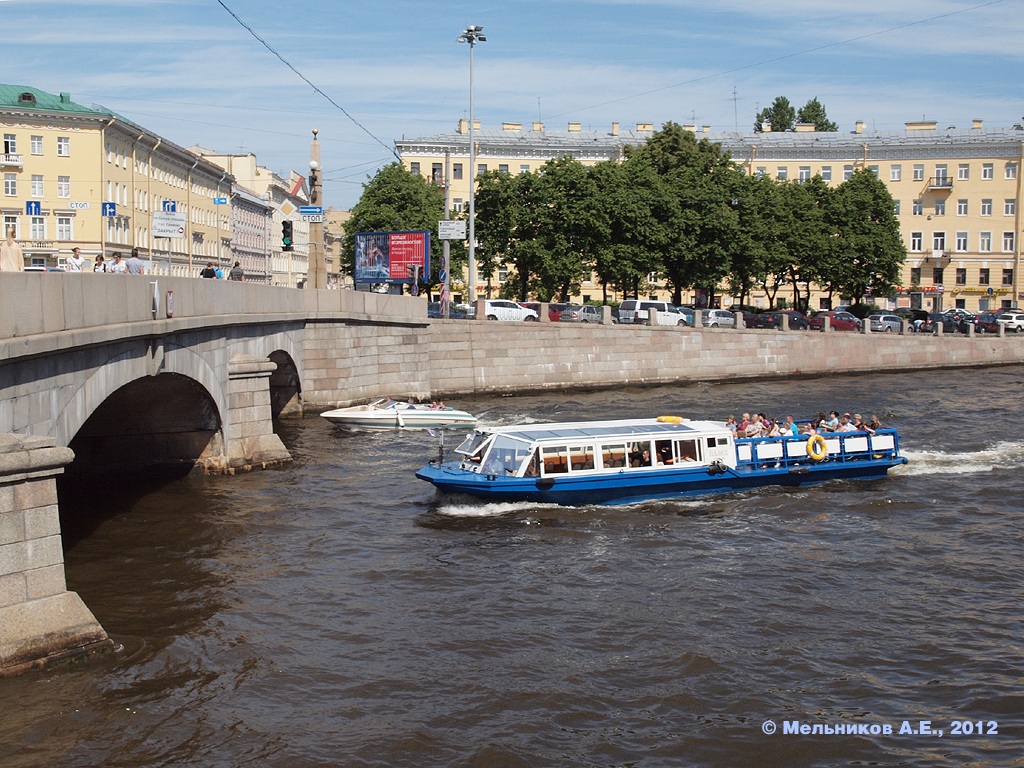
(625, 461)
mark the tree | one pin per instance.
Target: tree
(394, 200)
(871, 251)
(814, 112)
(780, 115)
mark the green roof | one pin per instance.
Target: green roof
(14, 96)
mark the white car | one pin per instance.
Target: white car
(637, 311)
(1011, 322)
(502, 309)
(715, 318)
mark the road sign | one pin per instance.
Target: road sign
(450, 229)
(168, 224)
(308, 210)
(313, 218)
(110, 209)
(33, 208)
(170, 206)
(220, 201)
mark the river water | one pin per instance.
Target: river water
(336, 612)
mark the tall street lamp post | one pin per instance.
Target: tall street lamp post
(472, 34)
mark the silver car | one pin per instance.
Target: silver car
(715, 318)
(885, 323)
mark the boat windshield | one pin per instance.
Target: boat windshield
(505, 456)
(473, 443)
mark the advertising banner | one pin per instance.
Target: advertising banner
(391, 257)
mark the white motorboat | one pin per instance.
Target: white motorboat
(399, 414)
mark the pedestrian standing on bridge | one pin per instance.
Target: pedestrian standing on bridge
(209, 271)
(11, 259)
(135, 265)
(75, 261)
(237, 273)
(118, 267)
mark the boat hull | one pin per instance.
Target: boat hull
(400, 416)
(632, 487)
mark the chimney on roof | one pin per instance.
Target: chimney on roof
(644, 127)
(690, 127)
(921, 125)
(859, 127)
(65, 98)
(538, 126)
(804, 128)
(615, 129)
(574, 127)
(463, 126)
(976, 123)
(766, 126)
(707, 129)
(511, 126)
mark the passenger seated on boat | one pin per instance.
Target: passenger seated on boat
(831, 424)
(665, 454)
(756, 426)
(845, 425)
(531, 468)
(640, 459)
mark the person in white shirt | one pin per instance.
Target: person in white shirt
(75, 261)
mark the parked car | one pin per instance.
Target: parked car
(718, 318)
(637, 310)
(749, 318)
(837, 321)
(503, 309)
(882, 322)
(554, 310)
(935, 319)
(37, 268)
(589, 314)
(687, 314)
(1013, 322)
(454, 313)
(986, 322)
(797, 320)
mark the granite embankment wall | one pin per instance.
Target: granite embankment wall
(480, 357)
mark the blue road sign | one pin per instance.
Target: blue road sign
(170, 206)
(442, 275)
(311, 210)
(220, 201)
(110, 209)
(33, 208)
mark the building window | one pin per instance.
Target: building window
(961, 276)
(762, 171)
(938, 243)
(918, 207)
(985, 242)
(847, 172)
(481, 168)
(986, 207)
(805, 173)
(11, 222)
(502, 167)
(63, 186)
(1009, 240)
(457, 204)
(961, 242)
(437, 174)
(36, 145)
(895, 173)
(826, 173)
(941, 173)
(984, 275)
(414, 168)
(11, 184)
(918, 172)
(1011, 170)
(988, 171)
(940, 207)
(64, 231)
(917, 241)
(937, 276)
(781, 173)
(961, 207)
(1009, 207)
(524, 168)
(36, 185)
(10, 144)
(456, 170)
(1007, 277)
(63, 146)
(963, 171)
(915, 275)
(37, 228)
(896, 207)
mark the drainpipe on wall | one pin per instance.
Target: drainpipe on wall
(103, 229)
(188, 213)
(135, 199)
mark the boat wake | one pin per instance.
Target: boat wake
(499, 509)
(1003, 455)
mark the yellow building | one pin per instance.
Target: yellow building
(958, 191)
(77, 176)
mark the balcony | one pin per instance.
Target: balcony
(12, 161)
(937, 257)
(940, 183)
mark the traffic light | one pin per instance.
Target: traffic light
(286, 235)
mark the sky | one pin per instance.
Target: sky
(365, 74)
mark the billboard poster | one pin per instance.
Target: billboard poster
(391, 257)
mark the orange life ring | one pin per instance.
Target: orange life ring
(817, 449)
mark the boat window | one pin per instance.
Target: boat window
(640, 453)
(613, 456)
(505, 456)
(688, 450)
(555, 460)
(581, 457)
(472, 443)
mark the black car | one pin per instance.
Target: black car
(985, 322)
(434, 311)
(797, 320)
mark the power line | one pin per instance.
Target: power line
(306, 80)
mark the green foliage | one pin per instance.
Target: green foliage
(814, 112)
(780, 114)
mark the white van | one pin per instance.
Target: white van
(637, 311)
